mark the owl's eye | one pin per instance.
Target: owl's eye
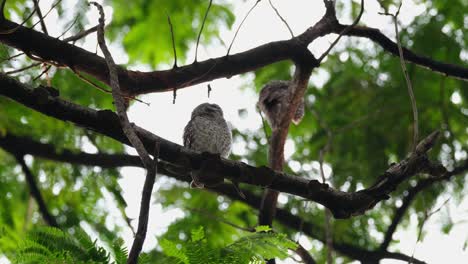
(270, 103)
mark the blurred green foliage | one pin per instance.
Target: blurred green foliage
(362, 110)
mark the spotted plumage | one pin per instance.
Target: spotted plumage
(207, 131)
(273, 100)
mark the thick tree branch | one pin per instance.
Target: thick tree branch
(35, 192)
(12, 143)
(388, 45)
(341, 204)
(16, 144)
(135, 82)
(408, 199)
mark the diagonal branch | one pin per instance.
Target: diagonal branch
(41, 17)
(388, 45)
(135, 141)
(35, 192)
(408, 199)
(12, 143)
(341, 204)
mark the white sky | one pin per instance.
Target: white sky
(168, 120)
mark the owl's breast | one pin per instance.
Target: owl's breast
(210, 135)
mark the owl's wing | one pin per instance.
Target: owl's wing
(188, 134)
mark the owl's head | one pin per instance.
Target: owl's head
(206, 109)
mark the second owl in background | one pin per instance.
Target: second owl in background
(274, 99)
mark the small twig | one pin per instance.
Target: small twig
(24, 68)
(209, 90)
(240, 25)
(282, 19)
(220, 219)
(12, 30)
(41, 18)
(426, 218)
(201, 30)
(408, 80)
(174, 91)
(46, 69)
(173, 39)
(347, 29)
(12, 57)
(35, 192)
(88, 81)
(69, 27)
(48, 12)
(81, 34)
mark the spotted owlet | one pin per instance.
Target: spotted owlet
(207, 131)
(274, 100)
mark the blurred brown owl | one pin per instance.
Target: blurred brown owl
(273, 101)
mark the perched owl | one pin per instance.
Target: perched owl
(207, 131)
(274, 100)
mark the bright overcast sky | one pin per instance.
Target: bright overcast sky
(168, 120)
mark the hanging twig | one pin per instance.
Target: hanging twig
(407, 79)
(240, 25)
(209, 90)
(173, 39)
(174, 91)
(41, 18)
(201, 30)
(347, 29)
(281, 18)
(150, 164)
(48, 12)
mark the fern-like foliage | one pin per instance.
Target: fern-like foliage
(51, 245)
(252, 249)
